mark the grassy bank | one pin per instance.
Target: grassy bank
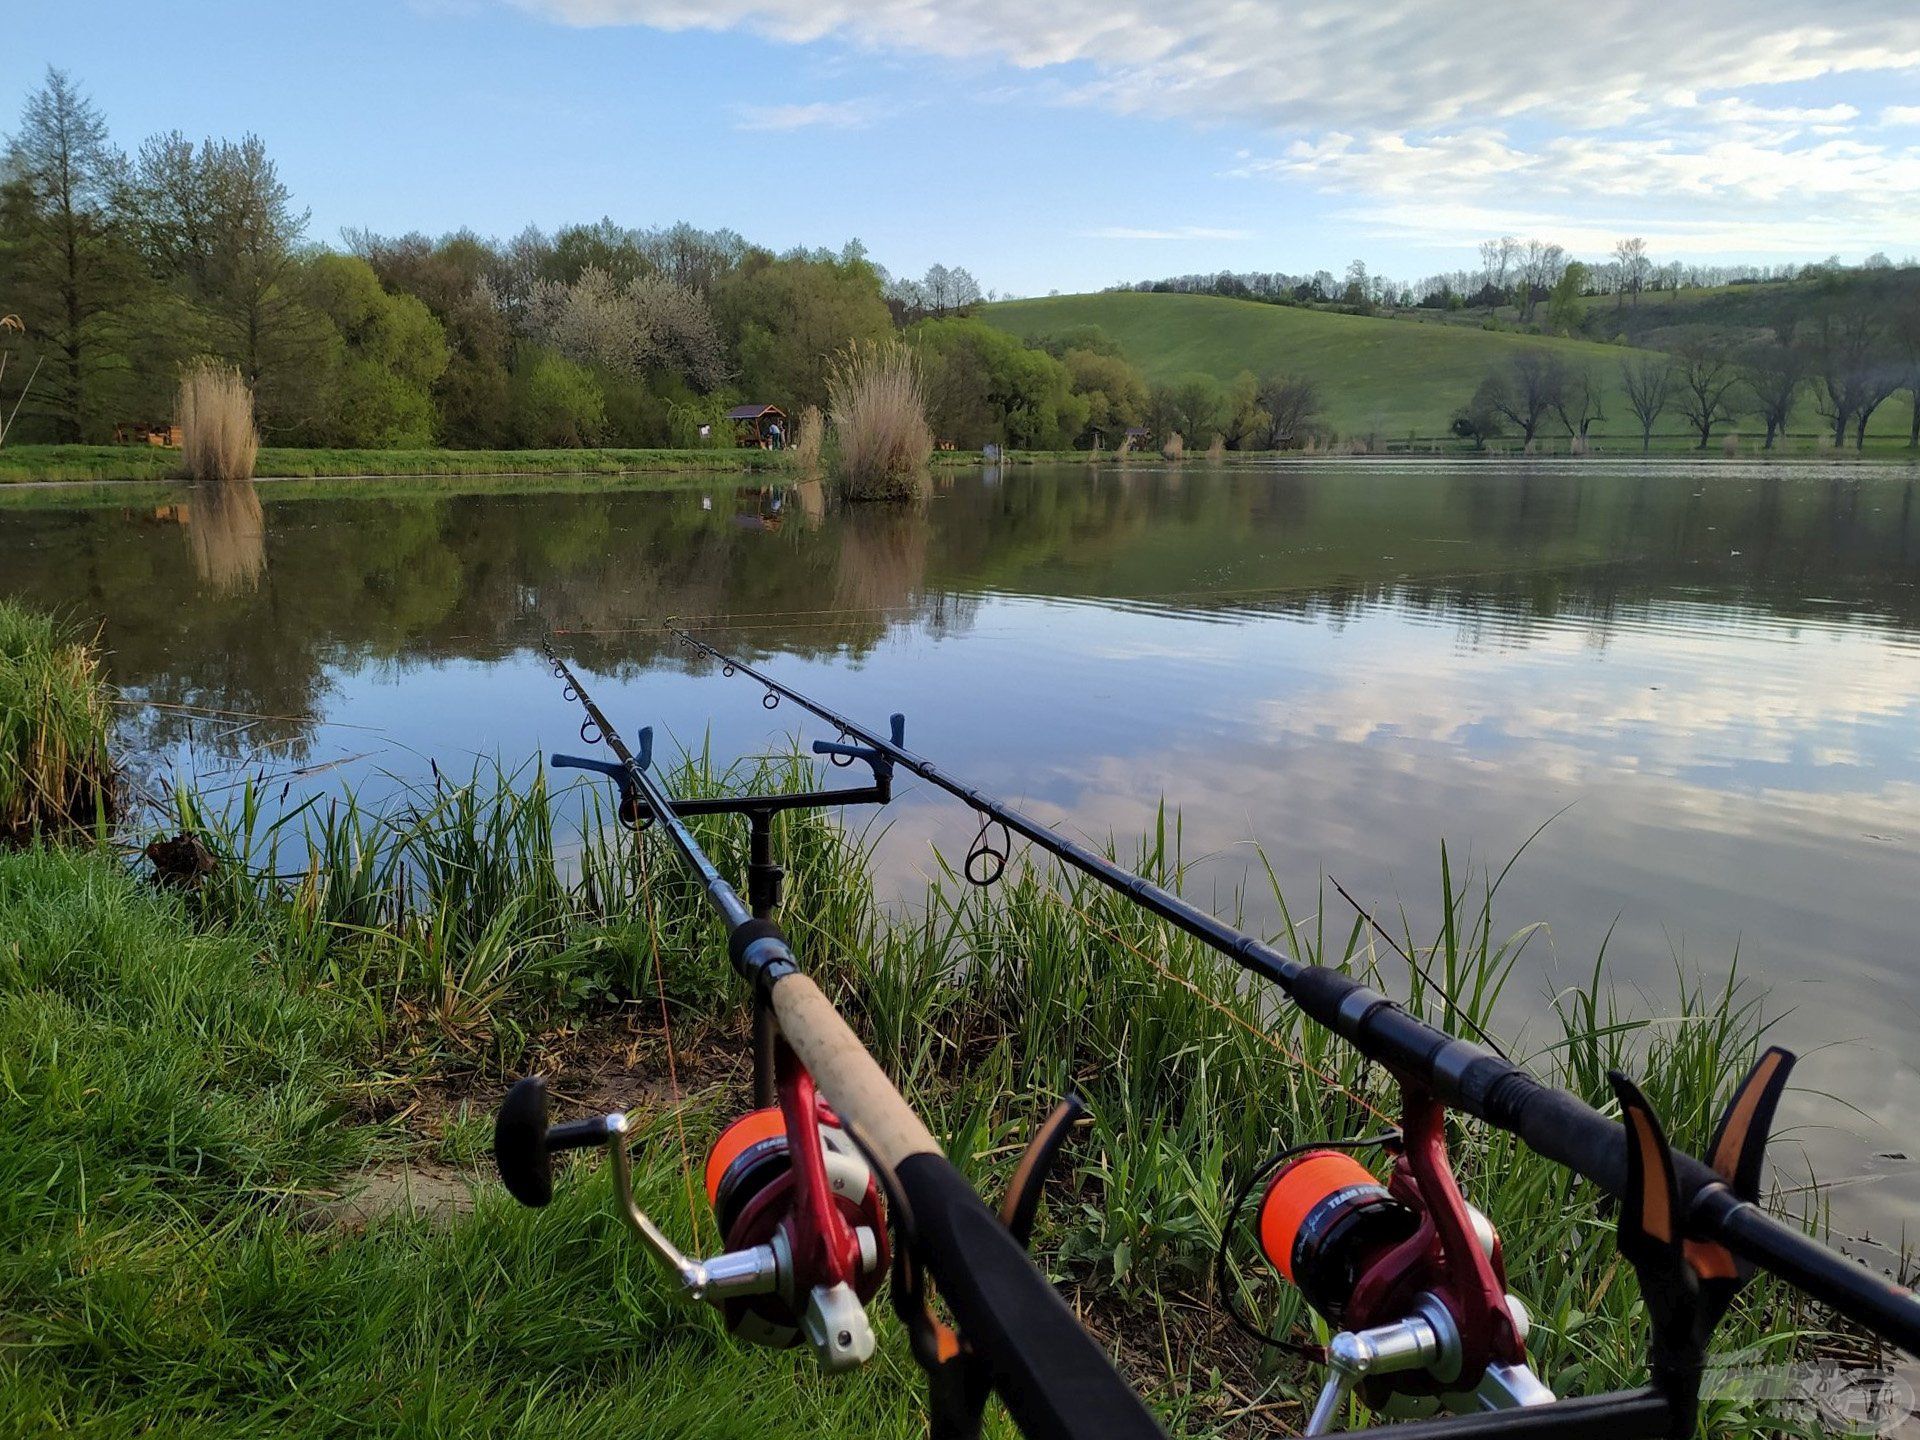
(361, 471)
(56, 719)
(144, 462)
(200, 1084)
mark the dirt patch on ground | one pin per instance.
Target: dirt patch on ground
(593, 1066)
(410, 1188)
(1180, 1352)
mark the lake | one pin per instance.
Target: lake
(1704, 680)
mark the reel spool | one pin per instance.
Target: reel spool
(1324, 1221)
(750, 1185)
(1369, 1257)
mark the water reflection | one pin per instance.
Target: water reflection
(1712, 671)
(227, 532)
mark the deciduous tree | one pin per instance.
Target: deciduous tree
(1579, 401)
(1290, 402)
(1854, 367)
(1648, 384)
(1703, 377)
(1525, 390)
(1774, 372)
(1630, 255)
(786, 319)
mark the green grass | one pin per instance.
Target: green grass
(1390, 377)
(185, 1072)
(144, 462)
(56, 719)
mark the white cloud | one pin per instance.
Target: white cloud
(818, 115)
(1396, 64)
(1546, 106)
(1174, 232)
(1722, 192)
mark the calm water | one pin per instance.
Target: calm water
(1711, 676)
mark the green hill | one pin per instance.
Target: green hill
(1389, 377)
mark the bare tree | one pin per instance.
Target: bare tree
(1525, 390)
(1541, 266)
(1704, 375)
(1854, 368)
(1288, 403)
(1774, 372)
(937, 286)
(1579, 402)
(1649, 386)
(965, 289)
(1906, 337)
(1631, 256)
(1496, 262)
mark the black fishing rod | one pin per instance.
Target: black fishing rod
(818, 1201)
(1717, 1203)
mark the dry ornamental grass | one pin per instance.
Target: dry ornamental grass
(218, 440)
(880, 423)
(808, 437)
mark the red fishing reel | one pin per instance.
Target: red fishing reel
(1410, 1274)
(754, 1188)
(797, 1204)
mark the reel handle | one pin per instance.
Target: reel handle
(524, 1144)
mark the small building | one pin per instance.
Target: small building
(133, 434)
(1138, 436)
(754, 427)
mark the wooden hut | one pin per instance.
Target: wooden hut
(753, 427)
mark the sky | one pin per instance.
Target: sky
(1063, 145)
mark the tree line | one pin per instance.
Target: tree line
(1513, 272)
(122, 267)
(1848, 347)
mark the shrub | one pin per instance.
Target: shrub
(879, 422)
(218, 440)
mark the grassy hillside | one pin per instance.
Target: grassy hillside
(1390, 377)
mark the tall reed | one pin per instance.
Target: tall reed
(1176, 447)
(218, 440)
(809, 436)
(1217, 451)
(56, 721)
(879, 422)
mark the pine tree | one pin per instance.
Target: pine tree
(66, 265)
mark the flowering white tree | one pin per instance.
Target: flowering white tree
(648, 324)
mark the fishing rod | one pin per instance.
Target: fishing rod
(837, 1183)
(1693, 1229)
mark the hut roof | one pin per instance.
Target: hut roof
(753, 412)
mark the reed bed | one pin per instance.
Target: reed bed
(879, 423)
(56, 725)
(809, 439)
(1175, 448)
(218, 441)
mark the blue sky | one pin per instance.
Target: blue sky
(1061, 146)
